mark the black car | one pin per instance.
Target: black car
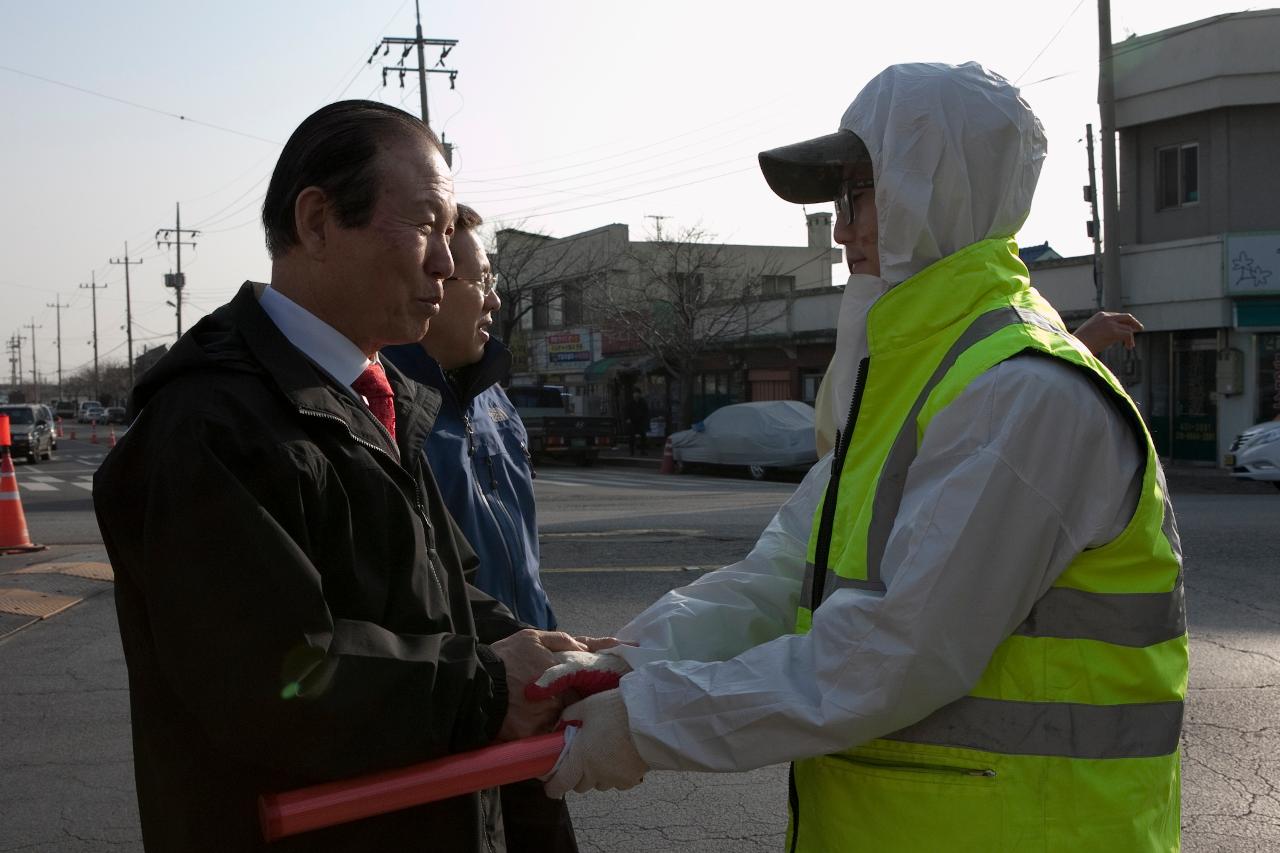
(31, 431)
(115, 414)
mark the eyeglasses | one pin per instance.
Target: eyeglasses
(849, 189)
(487, 282)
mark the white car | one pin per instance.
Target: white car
(1255, 454)
(760, 437)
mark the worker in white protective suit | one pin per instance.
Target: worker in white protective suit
(965, 630)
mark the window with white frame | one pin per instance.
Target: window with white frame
(1177, 175)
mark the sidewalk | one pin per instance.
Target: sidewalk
(1182, 478)
(45, 584)
(1201, 480)
(623, 456)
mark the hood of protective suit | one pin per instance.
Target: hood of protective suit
(956, 154)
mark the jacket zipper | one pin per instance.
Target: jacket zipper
(827, 524)
(419, 505)
(484, 499)
(944, 769)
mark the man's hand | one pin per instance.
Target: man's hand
(526, 655)
(601, 756)
(1106, 328)
(597, 644)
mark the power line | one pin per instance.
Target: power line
(1051, 40)
(535, 215)
(137, 105)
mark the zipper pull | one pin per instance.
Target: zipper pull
(471, 442)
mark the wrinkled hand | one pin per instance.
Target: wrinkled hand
(601, 756)
(1106, 328)
(583, 673)
(599, 644)
(526, 655)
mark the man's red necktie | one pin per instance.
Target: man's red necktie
(374, 387)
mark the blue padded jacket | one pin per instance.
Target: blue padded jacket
(478, 452)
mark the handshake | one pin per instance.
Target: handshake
(554, 679)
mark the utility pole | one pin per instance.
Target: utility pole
(173, 237)
(93, 287)
(657, 223)
(1091, 196)
(15, 359)
(128, 306)
(58, 306)
(35, 377)
(1111, 292)
(408, 44)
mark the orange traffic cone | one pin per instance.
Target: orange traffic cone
(668, 459)
(73, 434)
(13, 524)
(93, 432)
(111, 438)
(59, 423)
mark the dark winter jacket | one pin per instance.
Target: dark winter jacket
(292, 599)
(478, 451)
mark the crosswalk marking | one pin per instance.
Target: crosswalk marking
(39, 487)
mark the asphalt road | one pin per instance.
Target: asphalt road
(613, 540)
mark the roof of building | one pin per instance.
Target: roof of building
(1040, 252)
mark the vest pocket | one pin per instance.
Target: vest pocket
(894, 799)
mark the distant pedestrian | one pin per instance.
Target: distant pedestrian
(637, 421)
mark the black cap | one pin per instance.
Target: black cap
(812, 171)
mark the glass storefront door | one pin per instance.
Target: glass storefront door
(1195, 413)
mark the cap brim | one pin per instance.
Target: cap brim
(811, 171)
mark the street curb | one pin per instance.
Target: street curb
(630, 461)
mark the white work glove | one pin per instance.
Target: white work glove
(601, 755)
(584, 672)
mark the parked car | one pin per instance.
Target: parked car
(53, 424)
(97, 415)
(554, 430)
(1255, 454)
(115, 414)
(762, 437)
(30, 430)
(85, 407)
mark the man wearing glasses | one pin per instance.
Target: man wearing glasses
(478, 453)
(965, 630)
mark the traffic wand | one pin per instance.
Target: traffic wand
(329, 804)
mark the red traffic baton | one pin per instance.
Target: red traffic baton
(331, 803)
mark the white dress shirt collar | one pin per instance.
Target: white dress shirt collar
(331, 350)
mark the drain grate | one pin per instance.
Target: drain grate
(25, 602)
(91, 571)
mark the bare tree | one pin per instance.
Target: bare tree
(534, 270)
(682, 297)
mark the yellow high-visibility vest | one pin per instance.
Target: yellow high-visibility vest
(1069, 740)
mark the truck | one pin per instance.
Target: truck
(554, 430)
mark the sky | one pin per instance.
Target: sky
(566, 116)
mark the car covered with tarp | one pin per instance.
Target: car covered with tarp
(762, 437)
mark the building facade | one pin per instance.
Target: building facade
(770, 320)
(1198, 114)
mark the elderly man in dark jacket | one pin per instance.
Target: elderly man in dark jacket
(293, 596)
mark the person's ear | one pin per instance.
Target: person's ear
(311, 214)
